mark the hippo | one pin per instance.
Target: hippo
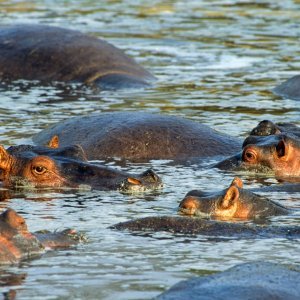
(44, 167)
(256, 280)
(17, 243)
(267, 127)
(289, 89)
(277, 154)
(188, 225)
(52, 54)
(231, 203)
(140, 136)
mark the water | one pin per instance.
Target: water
(216, 63)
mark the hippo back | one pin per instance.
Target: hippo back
(45, 53)
(140, 136)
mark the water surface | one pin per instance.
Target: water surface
(216, 63)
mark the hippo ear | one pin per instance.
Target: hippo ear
(230, 198)
(282, 149)
(237, 182)
(54, 142)
(4, 159)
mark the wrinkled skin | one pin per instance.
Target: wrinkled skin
(17, 243)
(188, 225)
(289, 89)
(231, 203)
(42, 167)
(47, 54)
(140, 136)
(277, 154)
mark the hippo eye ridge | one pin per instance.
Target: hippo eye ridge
(39, 170)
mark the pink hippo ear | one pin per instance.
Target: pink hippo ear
(54, 142)
(230, 198)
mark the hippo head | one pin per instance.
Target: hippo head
(231, 203)
(42, 167)
(12, 223)
(264, 128)
(267, 127)
(279, 154)
(15, 239)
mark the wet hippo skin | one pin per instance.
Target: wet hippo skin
(254, 280)
(289, 89)
(140, 136)
(43, 167)
(17, 243)
(48, 53)
(267, 127)
(213, 229)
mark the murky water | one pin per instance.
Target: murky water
(216, 63)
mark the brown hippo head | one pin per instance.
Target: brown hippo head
(231, 203)
(279, 154)
(42, 167)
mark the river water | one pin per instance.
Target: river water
(216, 63)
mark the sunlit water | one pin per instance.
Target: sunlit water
(216, 63)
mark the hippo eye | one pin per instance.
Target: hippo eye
(39, 170)
(280, 149)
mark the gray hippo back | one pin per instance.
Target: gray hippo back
(254, 280)
(47, 53)
(140, 136)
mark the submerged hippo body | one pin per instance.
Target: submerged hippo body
(189, 225)
(140, 136)
(289, 89)
(231, 203)
(17, 243)
(43, 167)
(254, 280)
(47, 54)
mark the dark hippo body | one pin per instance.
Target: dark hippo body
(234, 202)
(46, 53)
(140, 136)
(253, 280)
(289, 89)
(17, 243)
(189, 225)
(37, 166)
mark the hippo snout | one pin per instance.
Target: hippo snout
(188, 206)
(146, 181)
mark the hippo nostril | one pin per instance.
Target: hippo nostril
(150, 174)
(250, 156)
